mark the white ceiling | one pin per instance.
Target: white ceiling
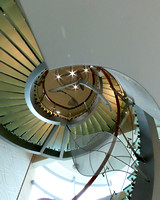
(122, 35)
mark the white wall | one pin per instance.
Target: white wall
(13, 166)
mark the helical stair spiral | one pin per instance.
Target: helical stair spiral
(18, 60)
(71, 101)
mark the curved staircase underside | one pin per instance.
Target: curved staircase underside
(19, 57)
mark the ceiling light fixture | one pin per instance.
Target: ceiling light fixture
(85, 70)
(75, 87)
(72, 73)
(58, 76)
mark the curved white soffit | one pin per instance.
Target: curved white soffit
(140, 95)
(123, 34)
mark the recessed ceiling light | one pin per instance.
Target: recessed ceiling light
(72, 73)
(58, 112)
(85, 70)
(75, 87)
(58, 76)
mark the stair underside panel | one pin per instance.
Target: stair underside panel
(17, 72)
(11, 49)
(84, 128)
(96, 124)
(26, 127)
(56, 140)
(101, 121)
(36, 130)
(11, 32)
(11, 88)
(14, 116)
(90, 127)
(19, 122)
(105, 108)
(11, 95)
(7, 109)
(8, 79)
(20, 22)
(106, 117)
(42, 136)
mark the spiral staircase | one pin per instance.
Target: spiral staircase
(19, 58)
